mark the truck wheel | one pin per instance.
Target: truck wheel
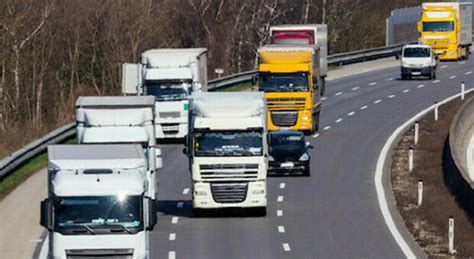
(323, 86)
(467, 52)
(316, 121)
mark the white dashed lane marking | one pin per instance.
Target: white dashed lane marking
(279, 213)
(355, 88)
(174, 220)
(406, 91)
(186, 191)
(391, 96)
(420, 86)
(377, 101)
(286, 247)
(172, 237)
(452, 77)
(444, 66)
(316, 135)
(281, 229)
(324, 98)
(280, 198)
(282, 185)
(338, 120)
(327, 128)
(363, 107)
(171, 255)
(373, 83)
(468, 72)
(338, 93)
(436, 81)
(351, 113)
(389, 79)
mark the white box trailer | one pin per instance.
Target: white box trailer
(311, 34)
(119, 120)
(99, 203)
(171, 76)
(227, 148)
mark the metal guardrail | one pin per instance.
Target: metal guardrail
(333, 60)
(19, 157)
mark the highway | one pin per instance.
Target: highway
(332, 214)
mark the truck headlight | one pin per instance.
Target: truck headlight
(200, 193)
(451, 52)
(258, 191)
(304, 157)
(305, 118)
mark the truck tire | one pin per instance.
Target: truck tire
(323, 86)
(316, 121)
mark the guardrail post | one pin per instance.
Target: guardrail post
(463, 90)
(436, 111)
(410, 159)
(417, 129)
(420, 192)
(451, 235)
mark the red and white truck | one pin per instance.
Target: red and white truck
(311, 34)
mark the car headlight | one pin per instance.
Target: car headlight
(270, 158)
(304, 157)
(258, 191)
(200, 193)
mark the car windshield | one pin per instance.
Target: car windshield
(228, 143)
(283, 82)
(438, 26)
(91, 212)
(416, 53)
(286, 141)
(166, 91)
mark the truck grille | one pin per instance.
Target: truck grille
(170, 128)
(286, 103)
(229, 192)
(99, 253)
(169, 114)
(437, 44)
(229, 171)
(284, 118)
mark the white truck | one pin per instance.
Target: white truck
(227, 150)
(99, 204)
(418, 60)
(171, 76)
(311, 34)
(120, 120)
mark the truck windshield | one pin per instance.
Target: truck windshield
(98, 212)
(169, 91)
(416, 53)
(228, 143)
(438, 26)
(284, 82)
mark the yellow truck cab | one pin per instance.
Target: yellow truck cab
(447, 27)
(290, 77)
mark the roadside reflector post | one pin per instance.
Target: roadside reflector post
(451, 235)
(420, 192)
(436, 111)
(410, 159)
(417, 128)
(463, 89)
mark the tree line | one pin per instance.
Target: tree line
(52, 51)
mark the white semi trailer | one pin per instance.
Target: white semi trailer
(171, 76)
(227, 150)
(119, 120)
(99, 202)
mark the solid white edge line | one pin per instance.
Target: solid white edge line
(378, 178)
(171, 255)
(281, 229)
(44, 248)
(286, 247)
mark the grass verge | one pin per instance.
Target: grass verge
(22, 173)
(428, 223)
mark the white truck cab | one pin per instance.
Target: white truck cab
(99, 202)
(170, 76)
(227, 150)
(418, 60)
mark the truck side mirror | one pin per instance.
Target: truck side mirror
(420, 26)
(254, 80)
(152, 217)
(46, 214)
(159, 160)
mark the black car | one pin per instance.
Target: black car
(288, 152)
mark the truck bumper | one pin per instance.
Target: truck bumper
(171, 130)
(219, 195)
(296, 120)
(421, 71)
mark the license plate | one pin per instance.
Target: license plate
(170, 128)
(287, 165)
(416, 73)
